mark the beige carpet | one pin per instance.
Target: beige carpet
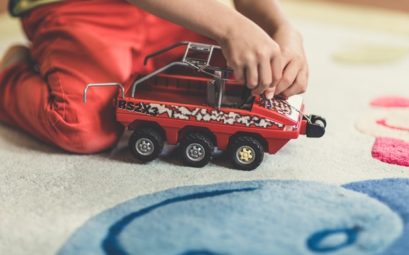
(46, 194)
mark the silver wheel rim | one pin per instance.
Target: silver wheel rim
(195, 152)
(245, 155)
(144, 146)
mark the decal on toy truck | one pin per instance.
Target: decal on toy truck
(278, 106)
(198, 114)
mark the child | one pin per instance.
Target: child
(78, 42)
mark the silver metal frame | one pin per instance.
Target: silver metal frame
(186, 61)
(112, 84)
(160, 70)
(220, 88)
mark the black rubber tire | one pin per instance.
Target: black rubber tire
(319, 120)
(256, 149)
(206, 146)
(150, 134)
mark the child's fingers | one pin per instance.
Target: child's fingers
(276, 69)
(251, 76)
(300, 84)
(276, 74)
(289, 76)
(269, 93)
(265, 77)
(239, 74)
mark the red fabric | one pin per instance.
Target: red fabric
(75, 43)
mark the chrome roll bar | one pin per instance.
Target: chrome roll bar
(112, 84)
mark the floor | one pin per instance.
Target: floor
(331, 194)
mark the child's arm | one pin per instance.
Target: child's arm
(265, 13)
(268, 15)
(254, 56)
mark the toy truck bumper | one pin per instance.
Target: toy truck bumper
(313, 126)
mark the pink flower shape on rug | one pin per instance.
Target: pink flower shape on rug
(391, 102)
(385, 123)
(392, 151)
(389, 123)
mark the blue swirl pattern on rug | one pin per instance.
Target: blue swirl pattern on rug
(395, 194)
(258, 217)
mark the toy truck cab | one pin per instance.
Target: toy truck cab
(197, 103)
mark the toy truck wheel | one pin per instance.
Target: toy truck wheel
(315, 119)
(246, 153)
(196, 149)
(146, 144)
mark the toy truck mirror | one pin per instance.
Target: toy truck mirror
(119, 85)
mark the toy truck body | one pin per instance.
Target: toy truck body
(200, 106)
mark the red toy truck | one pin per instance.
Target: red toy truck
(197, 103)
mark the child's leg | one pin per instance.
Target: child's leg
(13, 56)
(73, 43)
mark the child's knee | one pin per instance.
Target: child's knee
(85, 130)
(14, 55)
(88, 143)
(87, 139)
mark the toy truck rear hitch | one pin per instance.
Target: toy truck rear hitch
(315, 126)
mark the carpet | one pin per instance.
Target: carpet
(327, 195)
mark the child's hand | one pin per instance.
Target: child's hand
(253, 55)
(295, 75)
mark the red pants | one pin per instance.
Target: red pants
(75, 43)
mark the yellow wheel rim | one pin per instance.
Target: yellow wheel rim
(245, 155)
